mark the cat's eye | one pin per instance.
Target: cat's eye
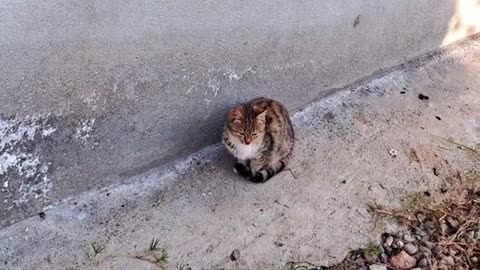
(254, 134)
(242, 134)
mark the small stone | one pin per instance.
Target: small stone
(428, 244)
(360, 261)
(471, 234)
(423, 97)
(388, 250)
(448, 260)
(389, 241)
(443, 228)
(398, 244)
(235, 256)
(418, 256)
(423, 262)
(426, 251)
(430, 225)
(410, 248)
(403, 261)
(378, 267)
(419, 232)
(452, 222)
(416, 268)
(393, 152)
(474, 259)
(452, 251)
(408, 238)
(383, 257)
(436, 250)
(421, 217)
(471, 237)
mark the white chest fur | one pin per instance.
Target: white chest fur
(247, 151)
(243, 151)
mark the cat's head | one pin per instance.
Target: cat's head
(247, 123)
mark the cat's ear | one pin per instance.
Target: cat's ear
(258, 109)
(260, 112)
(235, 114)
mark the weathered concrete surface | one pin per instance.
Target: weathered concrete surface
(201, 211)
(123, 84)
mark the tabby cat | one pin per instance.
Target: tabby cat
(259, 134)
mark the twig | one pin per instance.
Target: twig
(294, 176)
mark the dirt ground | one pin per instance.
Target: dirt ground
(379, 140)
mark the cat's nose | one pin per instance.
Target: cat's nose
(248, 140)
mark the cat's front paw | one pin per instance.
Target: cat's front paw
(242, 169)
(258, 178)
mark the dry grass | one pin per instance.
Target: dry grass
(450, 218)
(452, 224)
(451, 144)
(153, 254)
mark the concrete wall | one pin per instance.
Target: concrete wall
(95, 91)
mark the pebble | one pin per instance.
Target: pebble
(359, 261)
(403, 261)
(388, 250)
(430, 225)
(378, 267)
(410, 248)
(452, 222)
(474, 259)
(393, 152)
(420, 232)
(428, 244)
(443, 228)
(471, 237)
(389, 241)
(452, 251)
(448, 260)
(235, 255)
(421, 217)
(383, 257)
(426, 251)
(408, 238)
(398, 244)
(436, 250)
(423, 262)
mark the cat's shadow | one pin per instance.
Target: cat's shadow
(226, 166)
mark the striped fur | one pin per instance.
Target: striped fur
(259, 134)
